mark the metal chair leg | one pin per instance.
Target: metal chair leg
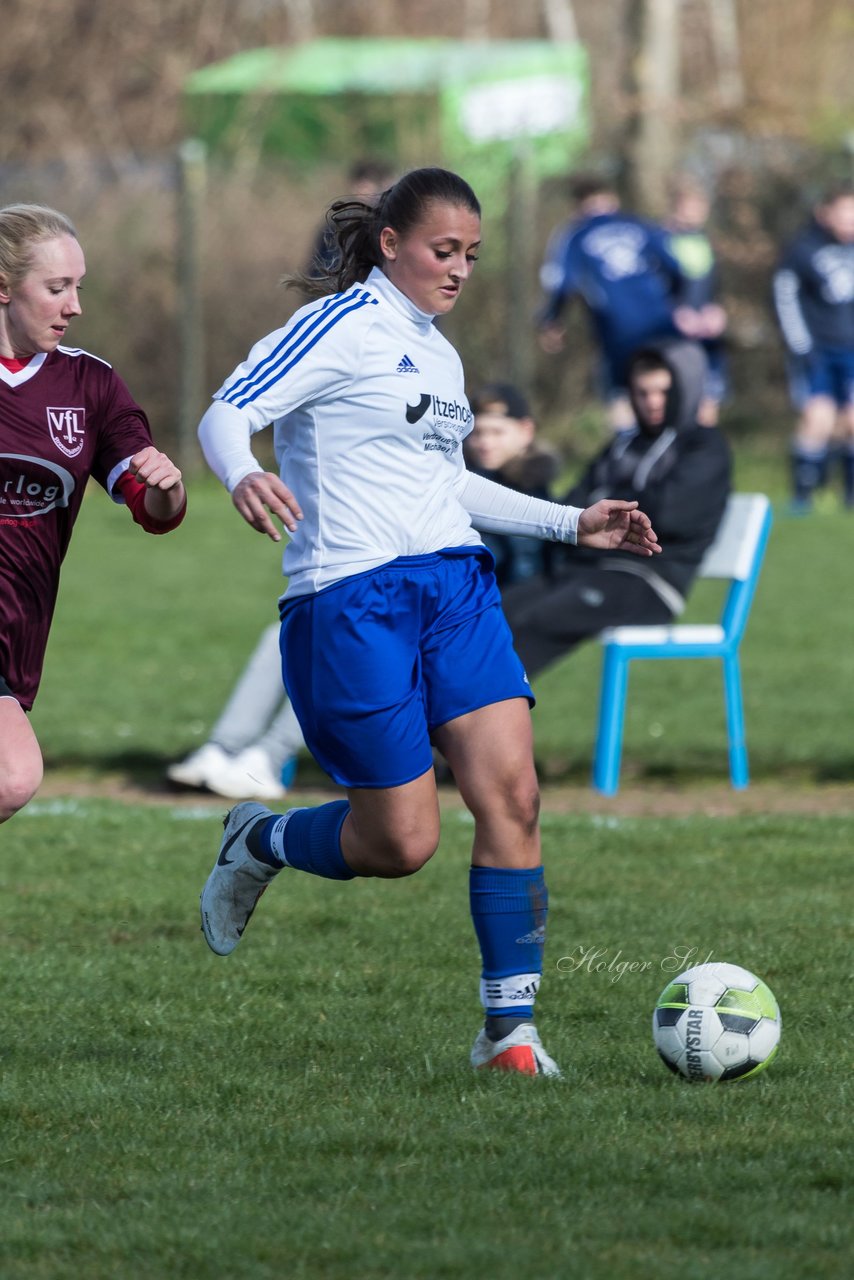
(609, 733)
(738, 768)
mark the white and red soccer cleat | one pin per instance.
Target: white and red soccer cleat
(520, 1051)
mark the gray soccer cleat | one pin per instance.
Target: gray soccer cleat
(236, 882)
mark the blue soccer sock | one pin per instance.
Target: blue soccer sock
(305, 839)
(809, 471)
(848, 475)
(509, 909)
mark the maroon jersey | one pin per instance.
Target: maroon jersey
(63, 417)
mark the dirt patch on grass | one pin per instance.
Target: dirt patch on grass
(648, 800)
(717, 801)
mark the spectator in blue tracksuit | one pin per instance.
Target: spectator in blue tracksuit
(698, 314)
(621, 266)
(814, 299)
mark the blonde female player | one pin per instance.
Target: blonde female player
(392, 632)
(64, 416)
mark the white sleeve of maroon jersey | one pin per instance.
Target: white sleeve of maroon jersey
(224, 434)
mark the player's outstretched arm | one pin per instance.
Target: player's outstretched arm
(260, 493)
(613, 525)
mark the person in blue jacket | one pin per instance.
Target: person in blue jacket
(814, 300)
(623, 269)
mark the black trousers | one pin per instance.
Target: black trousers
(549, 618)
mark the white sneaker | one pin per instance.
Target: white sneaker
(194, 771)
(520, 1051)
(236, 882)
(249, 773)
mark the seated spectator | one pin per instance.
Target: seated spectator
(503, 447)
(680, 473)
(252, 748)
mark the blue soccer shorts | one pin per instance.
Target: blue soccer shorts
(826, 371)
(373, 664)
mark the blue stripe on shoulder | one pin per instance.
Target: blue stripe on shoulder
(241, 384)
(295, 345)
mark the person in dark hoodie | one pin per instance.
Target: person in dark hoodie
(503, 447)
(679, 471)
(814, 298)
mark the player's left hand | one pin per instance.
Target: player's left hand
(154, 469)
(614, 525)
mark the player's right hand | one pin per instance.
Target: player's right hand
(262, 493)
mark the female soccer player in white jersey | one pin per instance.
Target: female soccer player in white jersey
(392, 632)
(64, 415)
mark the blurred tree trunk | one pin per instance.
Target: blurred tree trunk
(521, 272)
(560, 20)
(476, 19)
(192, 189)
(301, 19)
(653, 82)
(723, 20)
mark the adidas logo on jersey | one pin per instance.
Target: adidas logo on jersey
(407, 366)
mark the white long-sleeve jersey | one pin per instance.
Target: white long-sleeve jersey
(369, 412)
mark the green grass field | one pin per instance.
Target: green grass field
(304, 1108)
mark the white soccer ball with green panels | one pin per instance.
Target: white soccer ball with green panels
(716, 1022)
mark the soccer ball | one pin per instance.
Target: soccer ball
(716, 1022)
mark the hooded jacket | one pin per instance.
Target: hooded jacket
(680, 475)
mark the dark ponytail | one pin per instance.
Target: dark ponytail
(355, 225)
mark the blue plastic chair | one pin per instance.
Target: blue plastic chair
(735, 555)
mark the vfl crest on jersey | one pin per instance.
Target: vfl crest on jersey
(66, 429)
